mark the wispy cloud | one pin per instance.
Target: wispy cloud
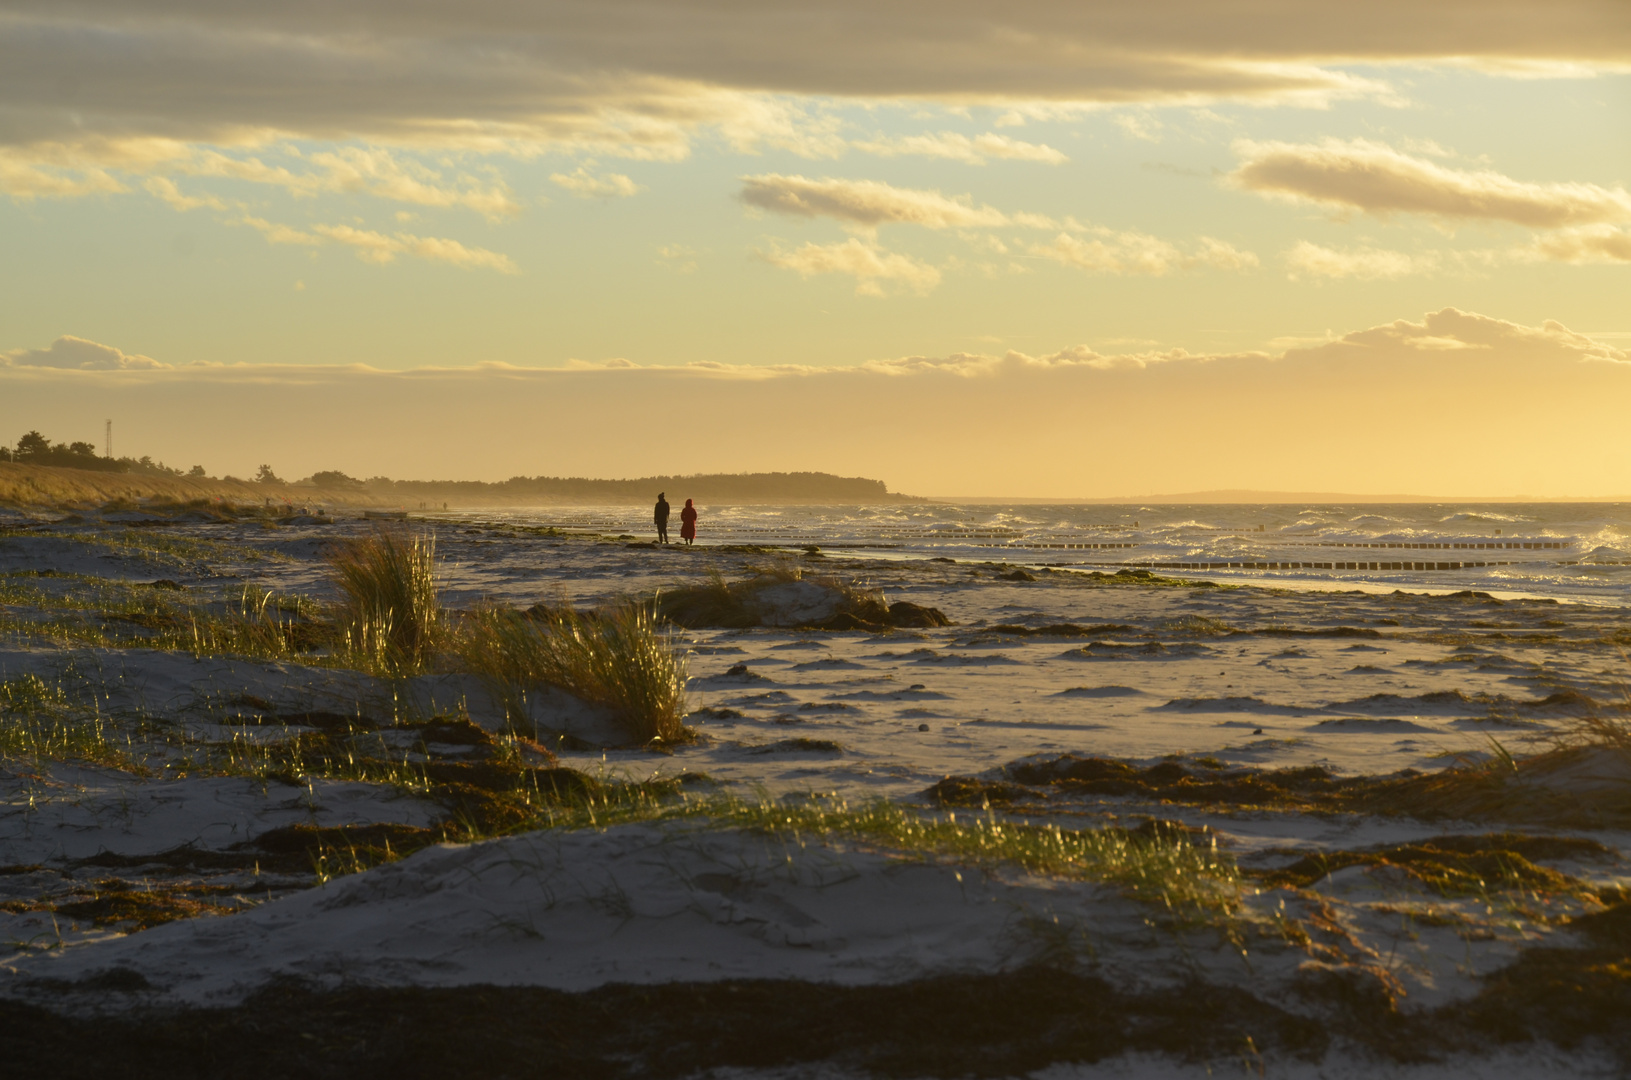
(1590, 244)
(1376, 179)
(165, 189)
(955, 146)
(380, 248)
(865, 204)
(870, 266)
(1364, 263)
(585, 185)
(1107, 251)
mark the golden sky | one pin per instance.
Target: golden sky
(1044, 249)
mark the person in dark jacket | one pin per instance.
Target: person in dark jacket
(688, 522)
(661, 517)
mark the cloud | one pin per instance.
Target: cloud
(1451, 330)
(1592, 244)
(955, 146)
(162, 187)
(76, 168)
(586, 185)
(678, 257)
(379, 248)
(76, 353)
(1138, 126)
(583, 70)
(1364, 263)
(1111, 252)
(1376, 179)
(25, 178)
(93, 86)
(281, 234)
(871, 266)
(865, 204)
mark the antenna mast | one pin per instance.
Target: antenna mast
(110, 438)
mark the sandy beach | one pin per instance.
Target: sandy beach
(1395, 855)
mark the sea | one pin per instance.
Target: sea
(1579, 552)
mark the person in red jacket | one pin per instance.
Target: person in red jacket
(688, 522)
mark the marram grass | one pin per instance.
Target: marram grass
(617, 659)
(390, 618)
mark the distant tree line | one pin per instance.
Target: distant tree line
(36, 449)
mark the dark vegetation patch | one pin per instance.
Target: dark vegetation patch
(132, 905)
(1456, 864)
(718, 603)
(1533, 790)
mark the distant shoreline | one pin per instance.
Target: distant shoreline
(47, 485)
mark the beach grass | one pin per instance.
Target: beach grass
(40, 722)
(258, 624)
(1165, 868)
(390, 617)
(617, 658)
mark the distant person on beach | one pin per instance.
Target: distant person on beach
(661, 517)
(688, 522)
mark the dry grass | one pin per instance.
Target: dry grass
(617, 659)
(390, 620)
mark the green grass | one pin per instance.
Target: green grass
(1165, 869)
(257, 624)
(618, 659)
(40, 722)
(390, 618)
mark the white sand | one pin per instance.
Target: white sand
(642, 903)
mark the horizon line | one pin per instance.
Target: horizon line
(1225, 496)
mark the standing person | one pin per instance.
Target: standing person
(688, 522)
(661, 518)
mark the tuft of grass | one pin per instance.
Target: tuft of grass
(618, 659)
(39, 722)
(715, 602)
(391, 620)
(258, 624)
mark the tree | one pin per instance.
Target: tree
(33, 445)
(196, 470)
(82, 449)
(267, 476)
(333, 478)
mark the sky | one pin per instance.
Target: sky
(1030, 249)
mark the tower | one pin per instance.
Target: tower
(109, 428)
